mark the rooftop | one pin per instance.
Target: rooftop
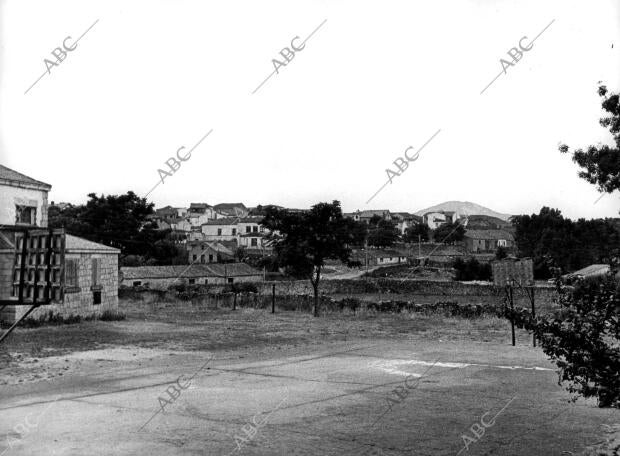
(189, 271)
(10, 177)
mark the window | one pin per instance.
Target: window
(96, 271)
(219, 231)
(202, 258)
(97, 297)
(191, 281)
(206, 281)
(137, 283)
(210, 258)
(234, 231)
(194, 257)
(262, 229)
(25, 215)
(71, 276)
(247, 228)
(255, 229)
(254, 242)
(230, 280)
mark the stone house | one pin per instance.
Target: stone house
(224, 229)
(162, 277)
(231, 210)
(437, 218)
(479, 241)
(90, 269)
(209, 252)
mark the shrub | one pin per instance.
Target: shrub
(112, 315)
(583, 337)
(471, 269)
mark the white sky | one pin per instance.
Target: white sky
(376, 78)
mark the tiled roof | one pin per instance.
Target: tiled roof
(370, 213)
(13, 176)
(489, 234)
(255, 219)
(223, 221)
(230, 206)
(74, 243)
(189, 271)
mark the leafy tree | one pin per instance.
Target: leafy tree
(471, 269)
(303, 241)
(418, 229)
(582, 338)
(600, 164)
(383, 234)
(449, 233)
(120, 221)
(571, 245)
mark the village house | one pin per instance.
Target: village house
(436, 218)
(163, 277)
(90, 273)
(378, 257)
(224, 229)
(201, 209)
(405, 220)
(366, 216)
(480, 241)
(209, 252)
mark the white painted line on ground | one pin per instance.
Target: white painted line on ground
(393, 366)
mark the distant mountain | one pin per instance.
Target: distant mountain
(464, 208)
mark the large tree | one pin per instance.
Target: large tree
(304, 240)
(120, 221)
(449, 233)
(600, 163)
(417, 232)
(382, 233)
(571, 245)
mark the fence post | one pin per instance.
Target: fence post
(273, 298)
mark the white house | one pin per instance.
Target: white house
(224, 229)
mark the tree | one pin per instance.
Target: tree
(582, 338)
(571, 245)
(419, 229)
(303, 241)
(600, 164)
(471, 269)
(449, 233)
(120, 221)
(383, 234)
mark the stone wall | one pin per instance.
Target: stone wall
(81, 300)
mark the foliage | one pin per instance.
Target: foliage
(571, 245)
(449, 233)
(418, 231)
(471, 269)
(112, 315)
(121, 221)
(501, 253)
(305, 240)
(600, 164)
(241, 287)
(382, 234)
(583, 337)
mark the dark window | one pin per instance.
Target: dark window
(219, 231)
(210, 258)
(254, 242)
(202, 258)
(194, 257)
(247, 229)
(230, 280)
(255, 229)
(234, 231)
(96, 297)
(25, 215)
(262, 229)
(137, 283)
(206, 281)
(192, 281)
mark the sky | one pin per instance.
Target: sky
(373, 80)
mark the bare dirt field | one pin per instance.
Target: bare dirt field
(180, 379)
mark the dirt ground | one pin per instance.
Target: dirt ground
(185, 380)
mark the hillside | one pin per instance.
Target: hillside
(464, 208)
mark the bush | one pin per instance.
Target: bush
(112, 315)
(583, 337)
(241, 287)
(471, 269)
